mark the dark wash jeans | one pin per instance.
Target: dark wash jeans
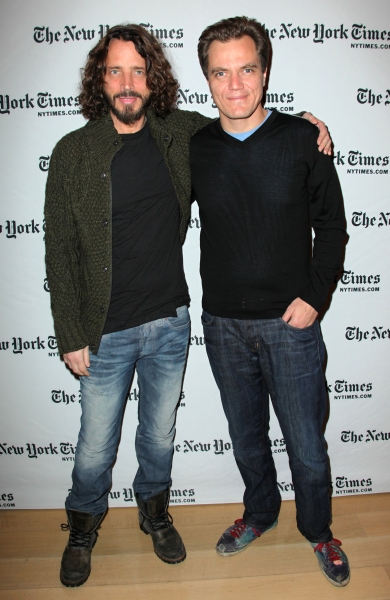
(251, 359)
(158, 350)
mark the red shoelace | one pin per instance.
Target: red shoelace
(240, 528)
(332, 550)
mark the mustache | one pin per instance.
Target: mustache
(128, 94)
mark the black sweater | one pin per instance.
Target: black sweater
(258, 201)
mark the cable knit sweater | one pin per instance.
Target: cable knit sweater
(78, 218)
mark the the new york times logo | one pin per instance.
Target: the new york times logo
(371, 435)
(218, 447)
(320, 32)
(285, 487)
(194, 223)
(186, 495)
(176, 496)
(13, 229)
(7, 500)
(352, 282)
(280, 100)
(64, 449)
(70, 33)
(366, 96)
(364, 35)
(45, 100)
(62, 397)
(126, 495)
(358, 335)
(362, 164)
(278, 446)
(44, 162)
(19, 345)
(168, 37)
(197, 340)
(343, 390)
(362, 219)
(344, 485)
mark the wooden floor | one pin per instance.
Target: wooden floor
(280, 565)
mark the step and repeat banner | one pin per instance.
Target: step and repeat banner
(330, 58)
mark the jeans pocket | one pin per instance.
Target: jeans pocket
(206, 318)
(181, 320)
(304, 332)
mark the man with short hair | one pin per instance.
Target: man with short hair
(261, 187)
(117, 209)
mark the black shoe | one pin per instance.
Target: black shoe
(76, 559)
(154, 519)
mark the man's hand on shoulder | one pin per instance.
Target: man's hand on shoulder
(324, 140)
(78, 361)
(300, 314)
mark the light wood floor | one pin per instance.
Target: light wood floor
(280, 565)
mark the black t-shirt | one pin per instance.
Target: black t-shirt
(148, 280)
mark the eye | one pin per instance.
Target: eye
(248, 70)
(139, 72)
(220, 74)
(114, 71)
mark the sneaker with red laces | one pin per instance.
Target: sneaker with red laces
(238, 537)
(333, 562)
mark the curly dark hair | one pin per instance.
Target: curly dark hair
(159, 77)
(234, 29)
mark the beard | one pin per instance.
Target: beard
(127, 116)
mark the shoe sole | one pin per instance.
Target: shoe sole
(169, 561)
(72, 584)
(336, 583)
(226, 554)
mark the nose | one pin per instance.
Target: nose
(127, 81)
(235, 82)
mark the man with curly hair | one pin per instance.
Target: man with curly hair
(117, 209)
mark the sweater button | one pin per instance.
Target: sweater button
(166, 138)
(116, 143)
(102, 310)
(105, 269)
(103, 175)
(105, 223)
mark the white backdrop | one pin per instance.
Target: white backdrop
(331, 58)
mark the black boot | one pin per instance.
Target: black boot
(154, 519)
(76, 559)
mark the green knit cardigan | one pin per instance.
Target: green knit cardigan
(78, 219)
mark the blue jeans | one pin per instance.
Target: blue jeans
(254, 358)
(158, 350)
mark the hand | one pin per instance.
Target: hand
(78, 361)
(300, 314)
(324, 140)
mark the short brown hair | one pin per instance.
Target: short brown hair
(234, 29)
(159, 77)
